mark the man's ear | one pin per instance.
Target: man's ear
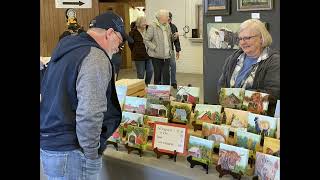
(109, 32)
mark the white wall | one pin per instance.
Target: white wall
(183, 13)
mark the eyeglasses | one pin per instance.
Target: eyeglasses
(246, 38)
(121, 45)
(118, 36)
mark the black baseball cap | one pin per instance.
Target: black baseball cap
(111, 20)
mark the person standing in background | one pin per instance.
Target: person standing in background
(174, 56)
(158, 40)
(139, 53)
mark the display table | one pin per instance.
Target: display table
(119, 165)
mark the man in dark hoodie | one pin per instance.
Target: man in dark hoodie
(79, 108)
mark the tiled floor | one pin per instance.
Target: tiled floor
(183, 79)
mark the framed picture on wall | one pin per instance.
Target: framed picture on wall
(250, 5)
(217, 7)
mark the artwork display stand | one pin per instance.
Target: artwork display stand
(193, 163)
(132, 149)
(196, 126)
(223, 172)
(114, 144)
(251, 161)
(174, 155)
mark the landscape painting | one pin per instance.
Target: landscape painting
(150, 120)
(255, 102)
(262, 125)
(207, 113)
(217, 133)
(157, 108)
(236, 118)
(129, 118)
(159, 92)
(267, 167)
(223, 35)
(271, 146)
(231, 97)
(248, 140)
(233, 158)
(121, 93)
(115, 137)
(180, 112)
(188, 94)
(137, 137)
(135, 104)
(200, 149)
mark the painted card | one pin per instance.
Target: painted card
(233, 158)
(267, 167)
(188, 94)
(271, 146)
(278, 129)
(137, 137)
(159, 92)
(255, 102)
(157, 108)
(121, 93)
(135, 104)
(207, 113)
(231, 97)
(200, 149)
(129, 118)
(248, 140)
(236, 118)
(115, 137)
(223, 35)
(150, 120)
(263, 125)
(277, 111)
(169, 137)
(217, 133)
(180, 112)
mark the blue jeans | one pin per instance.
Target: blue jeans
(144, 67)
(173, 69)
(69, 165)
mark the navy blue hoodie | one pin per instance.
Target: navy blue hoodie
(59, 97)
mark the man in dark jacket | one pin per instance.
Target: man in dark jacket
(79, 108)
(173, 59)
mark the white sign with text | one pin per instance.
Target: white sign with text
(73, 4)
(170, 137)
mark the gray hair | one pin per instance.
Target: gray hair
(259, 27)
(139, 20)
(162, 12)
(97, 30)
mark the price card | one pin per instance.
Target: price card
(170, 137)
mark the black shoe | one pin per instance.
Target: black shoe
(174, 85)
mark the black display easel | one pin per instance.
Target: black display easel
(196, 126)
(174, 155)
(133, 148)
(114, 144)
(223, 172)
(193, 163)
(251, 161)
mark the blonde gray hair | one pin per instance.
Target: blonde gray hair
(139, 20)
(162, 12)
(259, 27)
